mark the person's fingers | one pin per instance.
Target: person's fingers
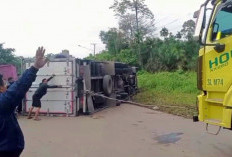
(37, 52)
(41, 48)
(43, 52)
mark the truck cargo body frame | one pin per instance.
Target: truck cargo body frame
(79, 79)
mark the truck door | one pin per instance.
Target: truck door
(218, 68)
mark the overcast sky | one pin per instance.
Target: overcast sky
(65, 24)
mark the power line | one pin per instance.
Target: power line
(92, 50)
(174, 21)
(161, 20)
(169, 23)
(85, 47)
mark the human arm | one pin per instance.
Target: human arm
(54, 86)
(50, 77)
(16, 92)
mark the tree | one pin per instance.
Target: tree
(127, 25)
(7, 57)
(170, 35)
(188, 29)
(164, 32)
(156, 54)
(134, 15)
(114, 40)
(178, 35)
(142, 27)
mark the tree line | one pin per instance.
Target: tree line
(134, 41)
(7, 57)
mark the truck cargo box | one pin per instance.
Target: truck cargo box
(7, 71)
(87, 85)
(57, 100)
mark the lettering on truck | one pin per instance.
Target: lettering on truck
(220, 62)
(215, 82)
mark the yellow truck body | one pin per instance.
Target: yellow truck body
(215, 63)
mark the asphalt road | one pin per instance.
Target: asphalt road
(124, 131)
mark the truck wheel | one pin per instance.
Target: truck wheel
(118, 103)
(107, 85)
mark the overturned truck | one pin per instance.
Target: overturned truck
(87, 85)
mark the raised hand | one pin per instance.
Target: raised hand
(40, 60)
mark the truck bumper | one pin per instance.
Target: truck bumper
(214, 113)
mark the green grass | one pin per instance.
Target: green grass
(172, 92)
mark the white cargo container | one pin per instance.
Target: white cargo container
(57, 100)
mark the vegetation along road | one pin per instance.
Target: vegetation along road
(171, 92)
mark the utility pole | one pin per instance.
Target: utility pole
(94, 48)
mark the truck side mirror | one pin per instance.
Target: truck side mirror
(200, 14)
(196, 14)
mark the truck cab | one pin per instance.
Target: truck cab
(214, 32)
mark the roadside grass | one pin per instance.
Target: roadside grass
(171, 92)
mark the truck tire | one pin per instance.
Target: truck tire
(118, 103)
(107, 85)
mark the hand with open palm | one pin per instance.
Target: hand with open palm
(40, 60)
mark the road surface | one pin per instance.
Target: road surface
(124, 131)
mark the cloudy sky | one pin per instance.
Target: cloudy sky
(65, 24)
